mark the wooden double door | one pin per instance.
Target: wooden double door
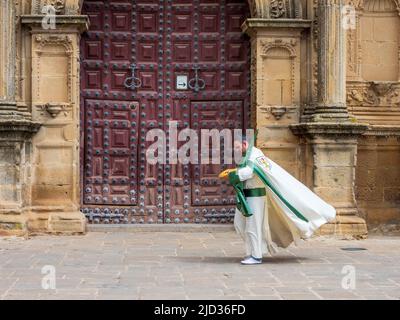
(145, 65)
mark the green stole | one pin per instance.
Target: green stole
(238, 185)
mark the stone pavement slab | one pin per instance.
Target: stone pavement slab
(194, 265)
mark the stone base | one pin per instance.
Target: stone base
(12, 229)
(12, 223)
(53, 223)
(135, 228)
(345, 226)
(67, 222)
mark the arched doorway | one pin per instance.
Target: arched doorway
(159, 44)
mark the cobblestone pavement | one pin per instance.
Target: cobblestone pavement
(167, 265)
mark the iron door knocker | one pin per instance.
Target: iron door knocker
(133, 82)
(196, 84)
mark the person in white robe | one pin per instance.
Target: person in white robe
(274, 209)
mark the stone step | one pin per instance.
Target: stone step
(159, 228)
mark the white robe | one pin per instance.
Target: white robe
(273, 224)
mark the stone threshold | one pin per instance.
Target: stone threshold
(133, 228)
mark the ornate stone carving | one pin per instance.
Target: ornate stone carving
(375, 5)
(46, 42)
(254, 92)
(289, 45)
(288, 49)
(63, 40)
(382, 88)
(61, 6)
(278, 112)
(373, 93)
(276, 9)
(54, 109)
(313, 58)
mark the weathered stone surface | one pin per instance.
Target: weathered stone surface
(45, 168)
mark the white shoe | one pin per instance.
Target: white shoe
(251, 260)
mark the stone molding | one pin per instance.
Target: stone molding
(331, 130)
(374, 6)
(79, 22)
(383, 131)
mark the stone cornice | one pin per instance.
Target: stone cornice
(329, 129)
(11, 129)
(81, 22)
(383, 131)
(258, 23)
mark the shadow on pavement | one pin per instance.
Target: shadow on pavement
(230, 260)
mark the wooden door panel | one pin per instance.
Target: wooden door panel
(110, 153)
(163, 40)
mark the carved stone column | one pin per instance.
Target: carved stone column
(8, 106)
(327, 129)
(331, 63)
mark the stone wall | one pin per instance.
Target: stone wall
(373, 97)
(378, 177)
(39, 180)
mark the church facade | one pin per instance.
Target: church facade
(82, 82)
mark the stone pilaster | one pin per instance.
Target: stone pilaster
(276, 46)
(328, 129)
(55, 196)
